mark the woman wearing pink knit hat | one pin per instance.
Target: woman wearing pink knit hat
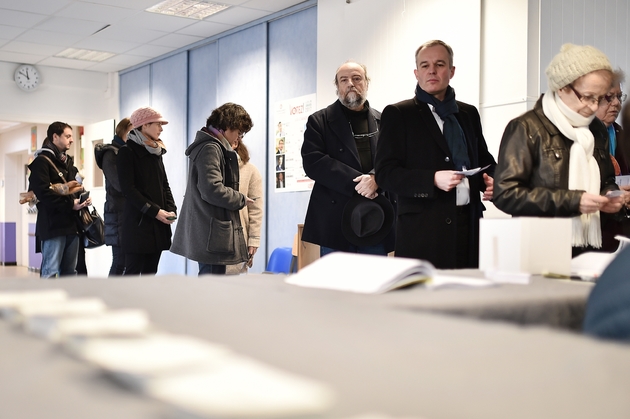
(149, 208)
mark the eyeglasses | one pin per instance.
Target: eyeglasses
(588, 100)
(368, 135)
(621, 97)
(241, 135)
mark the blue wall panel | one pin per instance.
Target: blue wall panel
(244, 67)
(169, 87)
(292, 73)
(243, 80)
(135, 90)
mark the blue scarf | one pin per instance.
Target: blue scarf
(453, 132)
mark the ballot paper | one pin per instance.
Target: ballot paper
(10, 300)
(69, 307)
(123, 322)
(133, 360)
(241, 388)
(471, 172)
(589, 266)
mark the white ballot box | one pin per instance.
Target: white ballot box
(525, 244)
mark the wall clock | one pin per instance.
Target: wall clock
(27, 77)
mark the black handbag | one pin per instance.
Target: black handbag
(93, 228)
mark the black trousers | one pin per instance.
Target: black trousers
(142, 263)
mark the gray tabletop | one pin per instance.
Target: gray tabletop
(377, 357)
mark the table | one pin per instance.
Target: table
(378, 355)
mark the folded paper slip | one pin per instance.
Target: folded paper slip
(241, 388)
(123, 322)
(10, 300)
(64, 308)
(132, 360)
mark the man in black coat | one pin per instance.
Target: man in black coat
(338, 154)
(424, 143)
(57, 217)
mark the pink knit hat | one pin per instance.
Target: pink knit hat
(146, 115)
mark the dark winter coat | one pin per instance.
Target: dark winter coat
(330, 157)
(55, 216)
(411, 149)
(106, 157)
(144, 183)
(209, 228)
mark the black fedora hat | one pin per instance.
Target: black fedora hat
(366, 222)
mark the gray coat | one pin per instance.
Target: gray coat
(209, 227)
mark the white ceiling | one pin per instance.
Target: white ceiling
(33, 31)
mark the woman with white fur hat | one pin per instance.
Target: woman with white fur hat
(553, 160)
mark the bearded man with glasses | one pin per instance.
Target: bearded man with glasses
(338, 153)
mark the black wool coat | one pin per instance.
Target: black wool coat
(106, 158)
(55, 216)
(411, 149)
(143, 181)
(330, 157)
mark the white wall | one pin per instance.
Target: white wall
(73, 96)
(384, 36)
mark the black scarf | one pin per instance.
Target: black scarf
(452, 130)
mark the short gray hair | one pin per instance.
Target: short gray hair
(365, 73)
(434, 43)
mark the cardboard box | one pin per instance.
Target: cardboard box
(525, 244)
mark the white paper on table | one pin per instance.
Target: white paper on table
(132, 360)
(123, 322)
(439, 281)
(241, 387)
(11, 300)
(69, 307)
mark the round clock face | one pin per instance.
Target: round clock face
(27, 77)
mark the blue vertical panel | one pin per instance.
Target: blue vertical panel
(242, 79)
(292, 73)
(169, 87)
(202, 86)
(134, 90)
(202, 97)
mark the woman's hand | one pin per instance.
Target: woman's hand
(164, 216)
(590, 203)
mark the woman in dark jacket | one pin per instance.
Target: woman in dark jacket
(106, 158)
(553, 160)
(209, 230)
(149, 207)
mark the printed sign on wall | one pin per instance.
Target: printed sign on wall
(290, 118)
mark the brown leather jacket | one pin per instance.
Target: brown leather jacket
(532, 175)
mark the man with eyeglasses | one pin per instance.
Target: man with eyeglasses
(338, 154)
(426, 143)
(607, 112)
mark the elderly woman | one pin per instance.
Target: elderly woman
(554, 159)
(149, 207)
(209, 229)
(250, 185)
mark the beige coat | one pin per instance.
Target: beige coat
(250, 185)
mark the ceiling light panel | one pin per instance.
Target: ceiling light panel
(192, 9)
(84, 54)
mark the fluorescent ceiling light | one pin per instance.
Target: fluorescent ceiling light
(85, 54)
(192, 9)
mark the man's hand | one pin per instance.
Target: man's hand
(447, 179)
(366, 186)
(489, 181)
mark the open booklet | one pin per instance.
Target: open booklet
(370, 274)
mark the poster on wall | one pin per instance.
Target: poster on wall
(290, 118)
(33, 139)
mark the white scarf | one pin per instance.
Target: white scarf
(583, 168)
